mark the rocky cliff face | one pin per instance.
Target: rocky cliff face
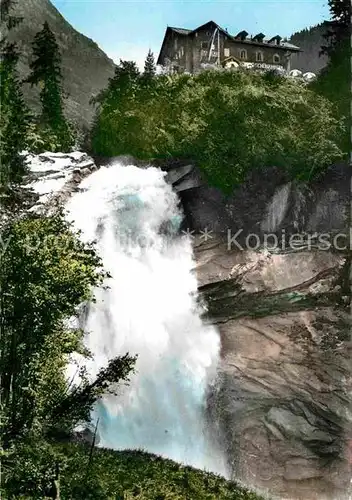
(283, 402)
(284, 398)
(86, 68)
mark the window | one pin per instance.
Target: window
(276, 58)
(259, 56)
(203, 45)
(243, 54)
(175, 43)
(227, 52)
(182, 52)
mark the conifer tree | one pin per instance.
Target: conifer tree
(339, 27)
(149, 65)
(46, 72)
(14, 115)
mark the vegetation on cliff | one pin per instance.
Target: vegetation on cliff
(334, 82)
(107, 474)
(228, 122)
(46, 273)
(85, 67)
(46, 72)
(19, 128)
(14, 115)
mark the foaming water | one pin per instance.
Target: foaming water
(150, 310)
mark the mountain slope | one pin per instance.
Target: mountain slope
(86, 68)
(310, 41)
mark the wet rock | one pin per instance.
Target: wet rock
(86, 435)
(284, 389)
(268, 202)
(184, 178)
(284, 394)
(300, 469)
(54, 177)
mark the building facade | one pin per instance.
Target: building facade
(191, 51)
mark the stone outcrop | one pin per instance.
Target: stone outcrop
(54, 177)
(269, 203)
(283, 402)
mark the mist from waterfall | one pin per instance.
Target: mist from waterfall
(149, 309)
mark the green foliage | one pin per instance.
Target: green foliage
(334, 82)
(121, 87)
(149, 66)
(44, 468)
(41, 137)
(43, 278)
(18, 129)
(135, 474)
(30, 470)
(46, 72)
(46, 274)
(228, 122)
(14, 115)
(339, 26)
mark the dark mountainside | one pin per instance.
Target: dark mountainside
(86, 68)
(310, 41)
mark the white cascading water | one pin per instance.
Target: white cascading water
(150, 310)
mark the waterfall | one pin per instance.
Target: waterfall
(148, 309)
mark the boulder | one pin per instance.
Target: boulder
(86, 435)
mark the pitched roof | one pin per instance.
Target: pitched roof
(225, 32)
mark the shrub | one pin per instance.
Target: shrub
(228, 122)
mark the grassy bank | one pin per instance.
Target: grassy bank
(138, 475)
